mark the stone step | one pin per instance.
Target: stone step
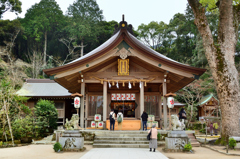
(195, 144)
(120, 145)
(120, 142)
(121, 132)
(123, 135)
(121, 138)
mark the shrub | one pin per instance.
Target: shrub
(57, 147)
(46, 116)
(23, 127)
(159, 136)
(232, 143)
(220, 141)
(203, 130)
(188, 147)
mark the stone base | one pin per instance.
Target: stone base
(171, 150)
(74, 149)
(71, 139)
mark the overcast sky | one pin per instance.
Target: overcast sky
(135, 11)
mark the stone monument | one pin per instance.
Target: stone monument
(177, 138)
(72, 139)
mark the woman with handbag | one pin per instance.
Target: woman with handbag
(153, 138)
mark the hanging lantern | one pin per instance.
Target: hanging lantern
(170, 102)
(77, 102)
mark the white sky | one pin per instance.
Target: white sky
(135, 11)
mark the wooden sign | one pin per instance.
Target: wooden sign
(123, 67)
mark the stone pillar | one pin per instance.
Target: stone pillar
(160, 109)
(141, 99)
(104, 102)
(82, 104)
(165, 104)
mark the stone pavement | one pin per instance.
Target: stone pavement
(122, 153)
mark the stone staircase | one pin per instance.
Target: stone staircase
(121, 139)
(193, 140)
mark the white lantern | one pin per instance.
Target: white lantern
(77, 102)
(170, 102)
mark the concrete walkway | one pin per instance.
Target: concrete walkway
(122, 153)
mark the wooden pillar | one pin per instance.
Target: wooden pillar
(104, 102)
(160, 109)
(86, 110)
(165, 104)
(141, 99)
(82, 104)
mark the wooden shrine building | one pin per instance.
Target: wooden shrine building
(123, 74)
(209, 106)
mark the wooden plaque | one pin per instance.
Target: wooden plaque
(123, 67)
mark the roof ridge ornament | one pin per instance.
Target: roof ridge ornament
(123, 25)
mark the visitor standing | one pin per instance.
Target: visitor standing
(182, 114)
(215, 128)
(153, 140)
(211, 129)
(112, 120)
(144, 117)
(120, 120)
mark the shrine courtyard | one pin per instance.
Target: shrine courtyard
(47, 152)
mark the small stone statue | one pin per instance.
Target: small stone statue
(73, 123)
(177, 125)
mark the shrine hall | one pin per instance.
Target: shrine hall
(123, 74)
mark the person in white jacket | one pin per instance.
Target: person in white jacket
(120, 120)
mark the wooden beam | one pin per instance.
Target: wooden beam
(163, 66)
(108, 55)
(103, 69)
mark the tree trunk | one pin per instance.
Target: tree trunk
(45, 50)
(220, 57)
(82, 48)
(9, 122)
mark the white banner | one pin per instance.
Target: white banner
(128, 96)
(132, 96)
(113, 96)
(123, 96)
(118, 96)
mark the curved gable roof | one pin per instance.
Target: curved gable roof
(123, 35)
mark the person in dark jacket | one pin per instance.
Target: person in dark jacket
(182, 114)
(144, 117)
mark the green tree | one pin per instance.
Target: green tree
(41, 18)
(84, 17)
(221, 56)
(10, 5)
(46, 115)
(152, 34)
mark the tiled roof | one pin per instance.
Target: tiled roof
(42, 87)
